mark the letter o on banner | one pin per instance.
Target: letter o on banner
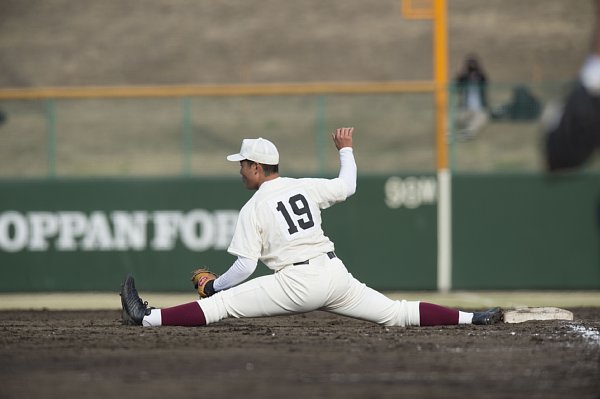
(13, 231)
(197, 230)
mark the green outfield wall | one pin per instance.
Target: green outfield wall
(526, 231)
(509, 232)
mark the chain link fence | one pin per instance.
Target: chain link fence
(394, 132)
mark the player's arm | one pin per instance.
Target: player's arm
(246, 246)
(239, 271)
(342, 139)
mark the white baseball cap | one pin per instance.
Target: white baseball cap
(258, 150)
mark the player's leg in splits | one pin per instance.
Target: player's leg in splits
(322, 284)
(354, 299)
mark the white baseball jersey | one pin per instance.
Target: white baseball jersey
(281, 223)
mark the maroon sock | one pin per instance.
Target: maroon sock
(435, 315)
(189, 314)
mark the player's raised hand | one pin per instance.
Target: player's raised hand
(343, 137)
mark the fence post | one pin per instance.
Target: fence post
(321, 135)
(186, 135)
(452, 115)
(51, 137)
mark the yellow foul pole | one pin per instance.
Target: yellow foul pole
(440, 62)
(440, 57)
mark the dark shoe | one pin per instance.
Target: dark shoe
(491, 316)
(134, 309)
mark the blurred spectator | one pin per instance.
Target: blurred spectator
(471, 84)
(572, 131)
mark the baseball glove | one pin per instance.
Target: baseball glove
(203, 280)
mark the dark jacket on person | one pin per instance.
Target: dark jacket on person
(471, 75)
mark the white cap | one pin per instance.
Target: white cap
(258, 150)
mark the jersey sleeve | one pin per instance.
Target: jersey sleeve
(327, 192)
(246, 237)
(348, 169)
(239, 271)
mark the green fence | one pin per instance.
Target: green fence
(521, 231)
(189, 136)
(516, 231)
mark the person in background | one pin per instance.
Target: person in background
(471, 85)
(572, 130)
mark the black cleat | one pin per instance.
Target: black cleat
(134, 309)
(490, 316)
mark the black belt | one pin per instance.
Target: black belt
(330, 254)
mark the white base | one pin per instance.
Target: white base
(520, 315)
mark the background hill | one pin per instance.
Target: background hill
(116, 42)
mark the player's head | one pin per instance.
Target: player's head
(259, 161)
(258, 150)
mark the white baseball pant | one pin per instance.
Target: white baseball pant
(322, 284)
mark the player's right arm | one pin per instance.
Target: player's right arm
(342, 139)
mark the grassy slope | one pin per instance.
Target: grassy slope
(113, 42)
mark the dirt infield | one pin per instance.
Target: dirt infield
(88, 354)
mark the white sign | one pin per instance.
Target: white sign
(410, 192)
(198, 230)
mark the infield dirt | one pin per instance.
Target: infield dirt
(88, 354)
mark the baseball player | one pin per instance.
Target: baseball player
(281, 226)
(573, 130)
